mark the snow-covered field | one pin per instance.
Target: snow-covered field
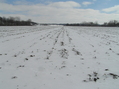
(59, 57)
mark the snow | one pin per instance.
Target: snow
(59, 57)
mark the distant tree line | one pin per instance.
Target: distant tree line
(112, 23)
(15, 21)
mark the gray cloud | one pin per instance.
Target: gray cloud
(57, 12)
(86, 3)
(68, 4)
(112, 9)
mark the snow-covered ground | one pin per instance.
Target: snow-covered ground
(59, 57)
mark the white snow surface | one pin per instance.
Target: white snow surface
(59, 57)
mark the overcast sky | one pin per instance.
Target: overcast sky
(57, 11)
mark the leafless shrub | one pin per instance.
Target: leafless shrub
(14, 77)
(117, 53)
(95, 57)
(95, 76)
(106, 69)
(47, 57)
(76, 52)
(92, 77)
(67, 74)
(114, 75)
(26, 59)
(32, 55)
(15, 55)
(84, 80)
(49, 52)
(21, 66)
(64, 53)
(63, 66)
(82, 58)
(62, 43)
